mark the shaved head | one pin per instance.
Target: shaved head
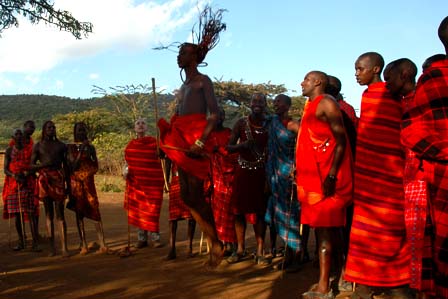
(431, 59)
(443, 33)
(334, 86)
(321, 76)
(375, 59)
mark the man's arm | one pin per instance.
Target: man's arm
(212, 108)
(7, 161)
(35, 157)
(329, 112)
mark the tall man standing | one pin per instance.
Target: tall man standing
(49, 158)
(425, 132)
(184, 139)
(378, 257)
(324, 174)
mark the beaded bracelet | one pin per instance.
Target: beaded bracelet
(199, 143)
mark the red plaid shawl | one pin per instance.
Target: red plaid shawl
(177, 208)
(425, 131)
(12, 192)
(223, 169)
(144, 184)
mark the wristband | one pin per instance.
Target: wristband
(332, 177)
(199, 143)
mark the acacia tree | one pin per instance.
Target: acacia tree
(131, 102)
(41, 11)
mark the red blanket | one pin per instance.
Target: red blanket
(425, 132)
(378, 252)
(178, 136)
(144, 184)
(223, 169)
(315, 152)
(177, 208)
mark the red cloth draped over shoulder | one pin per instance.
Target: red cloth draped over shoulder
(314, 157)
(144, 184)
(181, 133)
(378, 252)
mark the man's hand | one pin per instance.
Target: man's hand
(329, 186)
(195, 151)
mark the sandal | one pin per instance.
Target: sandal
(362, 292)
(318, 295)
(235, 257)
(262, 260)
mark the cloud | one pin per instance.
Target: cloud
(118, 25)
(32, 78)
(94, 76)
(59, 84)
(5, 83)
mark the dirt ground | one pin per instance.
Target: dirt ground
(145, 274)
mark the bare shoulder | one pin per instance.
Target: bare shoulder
(204, 79)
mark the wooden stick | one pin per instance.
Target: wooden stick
(156, 110)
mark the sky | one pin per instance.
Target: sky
(276, 41)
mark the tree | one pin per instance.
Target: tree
(41, 11)
(134, 101)
(241, 93)
(98, 121)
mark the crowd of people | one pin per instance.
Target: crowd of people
(374, 189)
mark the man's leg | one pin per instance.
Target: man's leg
(19, 224)
(59, 207)
(142, 238)
(100, 234)
(326, 249)
(49, 224)
(305, 237)
(34, 233)
(260, 233)
(192, 193)
(173, 232)
(191, 230)
(82, 234)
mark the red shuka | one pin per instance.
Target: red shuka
(314, 157)
(144, 184)
(378, 253)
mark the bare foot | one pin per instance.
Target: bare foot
(171, 255)
(216, 256)
(102, 250)
(52, 252)
(83, 251)
(65, 254)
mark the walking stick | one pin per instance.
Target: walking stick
(156, 112)
(21, 217)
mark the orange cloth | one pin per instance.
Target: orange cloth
(314, 157)
(178, 136)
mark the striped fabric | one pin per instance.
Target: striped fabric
(177, 208)
(378, 253)
(223, 169)
(425, 132)
(144, 184)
